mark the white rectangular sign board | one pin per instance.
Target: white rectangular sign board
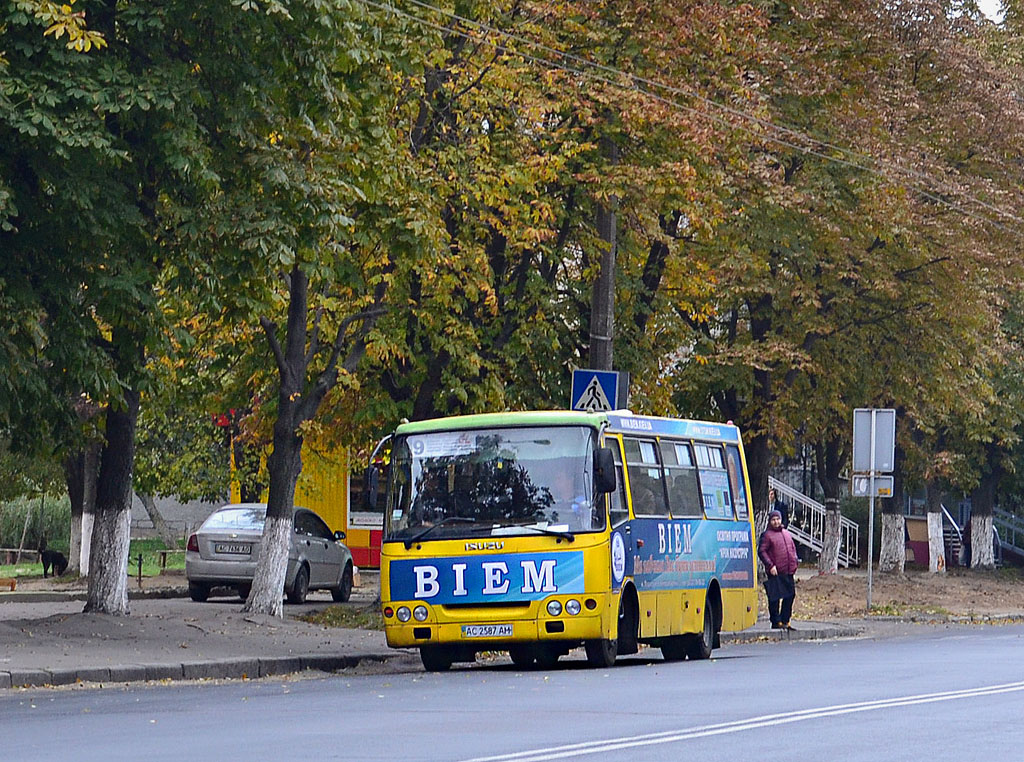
(861, 486)
(884, 440)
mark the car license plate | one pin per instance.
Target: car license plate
(487, 631)
(238, 548)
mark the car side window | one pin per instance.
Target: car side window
(319, 528)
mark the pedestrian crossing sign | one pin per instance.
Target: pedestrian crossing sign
(598, 390)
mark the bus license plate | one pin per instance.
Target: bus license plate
(233, 547)
(487, 631)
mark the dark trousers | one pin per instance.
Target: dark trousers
(780, 591)
(780, 610)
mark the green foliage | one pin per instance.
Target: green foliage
(50, 518)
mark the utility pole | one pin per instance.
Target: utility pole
(602, 305)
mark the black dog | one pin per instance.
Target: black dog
(53, 560)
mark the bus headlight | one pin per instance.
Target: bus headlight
(420, 613)
(572, 607)
(403, 614)
(554, 608)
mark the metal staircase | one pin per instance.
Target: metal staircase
(807, 524)
(1010, 530)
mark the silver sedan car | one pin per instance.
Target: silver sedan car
(223, 553)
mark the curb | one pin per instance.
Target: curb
(53, 596)
(243, 668)
(811, 632)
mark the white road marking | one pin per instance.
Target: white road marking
(673, 736)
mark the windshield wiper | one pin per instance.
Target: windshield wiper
(427, 530)
(565, 534)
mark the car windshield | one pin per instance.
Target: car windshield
(247, 517)
(489, 482)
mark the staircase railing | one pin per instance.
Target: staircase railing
(1010, 529)
(807, 524)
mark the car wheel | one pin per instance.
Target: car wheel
(344, 589)
(198, 592)
(300, 587)
(243, 591)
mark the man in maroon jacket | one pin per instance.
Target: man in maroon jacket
(778, 554)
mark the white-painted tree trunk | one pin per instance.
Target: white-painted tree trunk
(936, 544)
(85, 542)
(982, 552)
(108, 582)
(892, 556)
(75, 547)
(828, 561)
(271, 568)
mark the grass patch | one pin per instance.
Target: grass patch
(149, 548)
(349, 617)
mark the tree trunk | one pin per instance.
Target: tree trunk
(283, 468)
(892, 556)
(828, 561)
(758, 470)
(831, 457)
(936, 543)
(982, 501)
(982, 550)
(111, 530)
(296, 405)
(80, 476)
(164, 532)
(24, 531)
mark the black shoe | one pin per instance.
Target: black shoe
(788, 626)
(777, 626)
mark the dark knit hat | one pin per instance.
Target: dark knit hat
(774, 513)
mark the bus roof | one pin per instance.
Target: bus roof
(497, 420)
(620, 421)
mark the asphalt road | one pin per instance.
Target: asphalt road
(942, 693)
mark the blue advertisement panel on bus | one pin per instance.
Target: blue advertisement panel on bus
(684, 554)
(670, 427)
(499, 578)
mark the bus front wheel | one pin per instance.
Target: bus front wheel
(601, 653)
(436, 658)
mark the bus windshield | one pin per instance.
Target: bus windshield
(491, 482)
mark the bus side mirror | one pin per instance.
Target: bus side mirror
(604, 470)
(371, 487)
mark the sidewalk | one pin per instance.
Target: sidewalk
(47, 640)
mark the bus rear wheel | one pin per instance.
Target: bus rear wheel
(601, 653)
(436, 658)
(700, 645)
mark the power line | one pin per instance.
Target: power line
(636, 81)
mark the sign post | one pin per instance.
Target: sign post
(874, 446)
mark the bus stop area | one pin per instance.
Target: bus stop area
(48, 641)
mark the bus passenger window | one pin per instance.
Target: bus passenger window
(714, 482)
(681, 480)
(646, 484)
